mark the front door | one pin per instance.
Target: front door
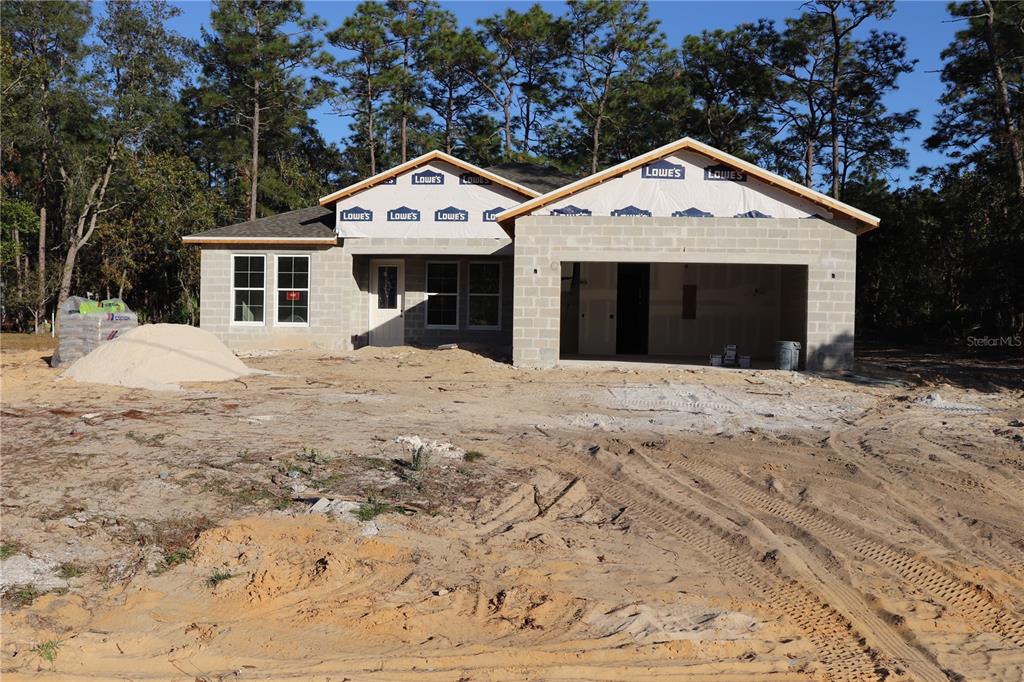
(632, 308)
(387, 303)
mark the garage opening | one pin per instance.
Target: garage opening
(681, 312)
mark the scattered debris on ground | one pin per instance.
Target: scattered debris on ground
(408, 514)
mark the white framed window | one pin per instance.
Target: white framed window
(292, 291)
(248, 289)
(443, 294)
(485, 295)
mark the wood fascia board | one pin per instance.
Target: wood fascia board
(285, 241)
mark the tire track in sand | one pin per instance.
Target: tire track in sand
(834, 591)
(841, 649)
(974, 603)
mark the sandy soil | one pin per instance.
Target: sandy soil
(601, 524)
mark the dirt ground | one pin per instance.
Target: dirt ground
(434, 515)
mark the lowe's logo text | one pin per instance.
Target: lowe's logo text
(451, 215)
(403, 214)
(663, 170)
(492, 215)
(724, 173)
(428, 178)
(357, 214)
(631, 210)
(473, 179)
(571, 210)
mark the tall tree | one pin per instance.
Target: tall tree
(252, 55)
(532, 45)
(413, 22)
(983, 101)
(731, 92)
(43, 52)
(369, 73)
(138, 61)
(852, 63)
(613, 43)
(451, 94)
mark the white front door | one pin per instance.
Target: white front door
(387, 303)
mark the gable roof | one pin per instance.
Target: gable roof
(838, 208)
(304, 226)
(420, 161)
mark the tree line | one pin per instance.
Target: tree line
(120, 136)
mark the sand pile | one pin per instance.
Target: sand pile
(159, 357)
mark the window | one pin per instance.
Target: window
(485, 295)
(248, 287)
(387, 287)
(443, 295)
(689, 301)
(293, 290)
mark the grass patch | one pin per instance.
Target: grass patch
(23, 595)
(473, 456)
(172, 559)
(331, 482)
(9, 549)
(218, 577)
(420, 459)
(314, 456)
(47, 650)
(250, 496)
(70, 570)
(371, 509)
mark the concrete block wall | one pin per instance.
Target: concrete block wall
(329, 309)
(829, 250)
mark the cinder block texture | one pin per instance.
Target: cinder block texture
(828, 249)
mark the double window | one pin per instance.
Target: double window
(293, 290)
(248, 287)
(443, 295)
(485, 295)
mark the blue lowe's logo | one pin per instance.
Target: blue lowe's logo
(571, 210)
(724, 173)
(428, 177)
(631, 210)
(451, 215)
(357, 215)
(752, 214)
(663, 170)
(473, 179)
(692, 212)
(403, 214)
(492, 215)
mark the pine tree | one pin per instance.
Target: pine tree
(250, 71)
(368, 75)
(613, 45)
(984, 95)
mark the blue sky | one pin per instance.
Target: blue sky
(925, 24)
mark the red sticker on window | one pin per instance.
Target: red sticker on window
(291, 296)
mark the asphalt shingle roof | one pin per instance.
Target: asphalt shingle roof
(533, 175)
(316, 222)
